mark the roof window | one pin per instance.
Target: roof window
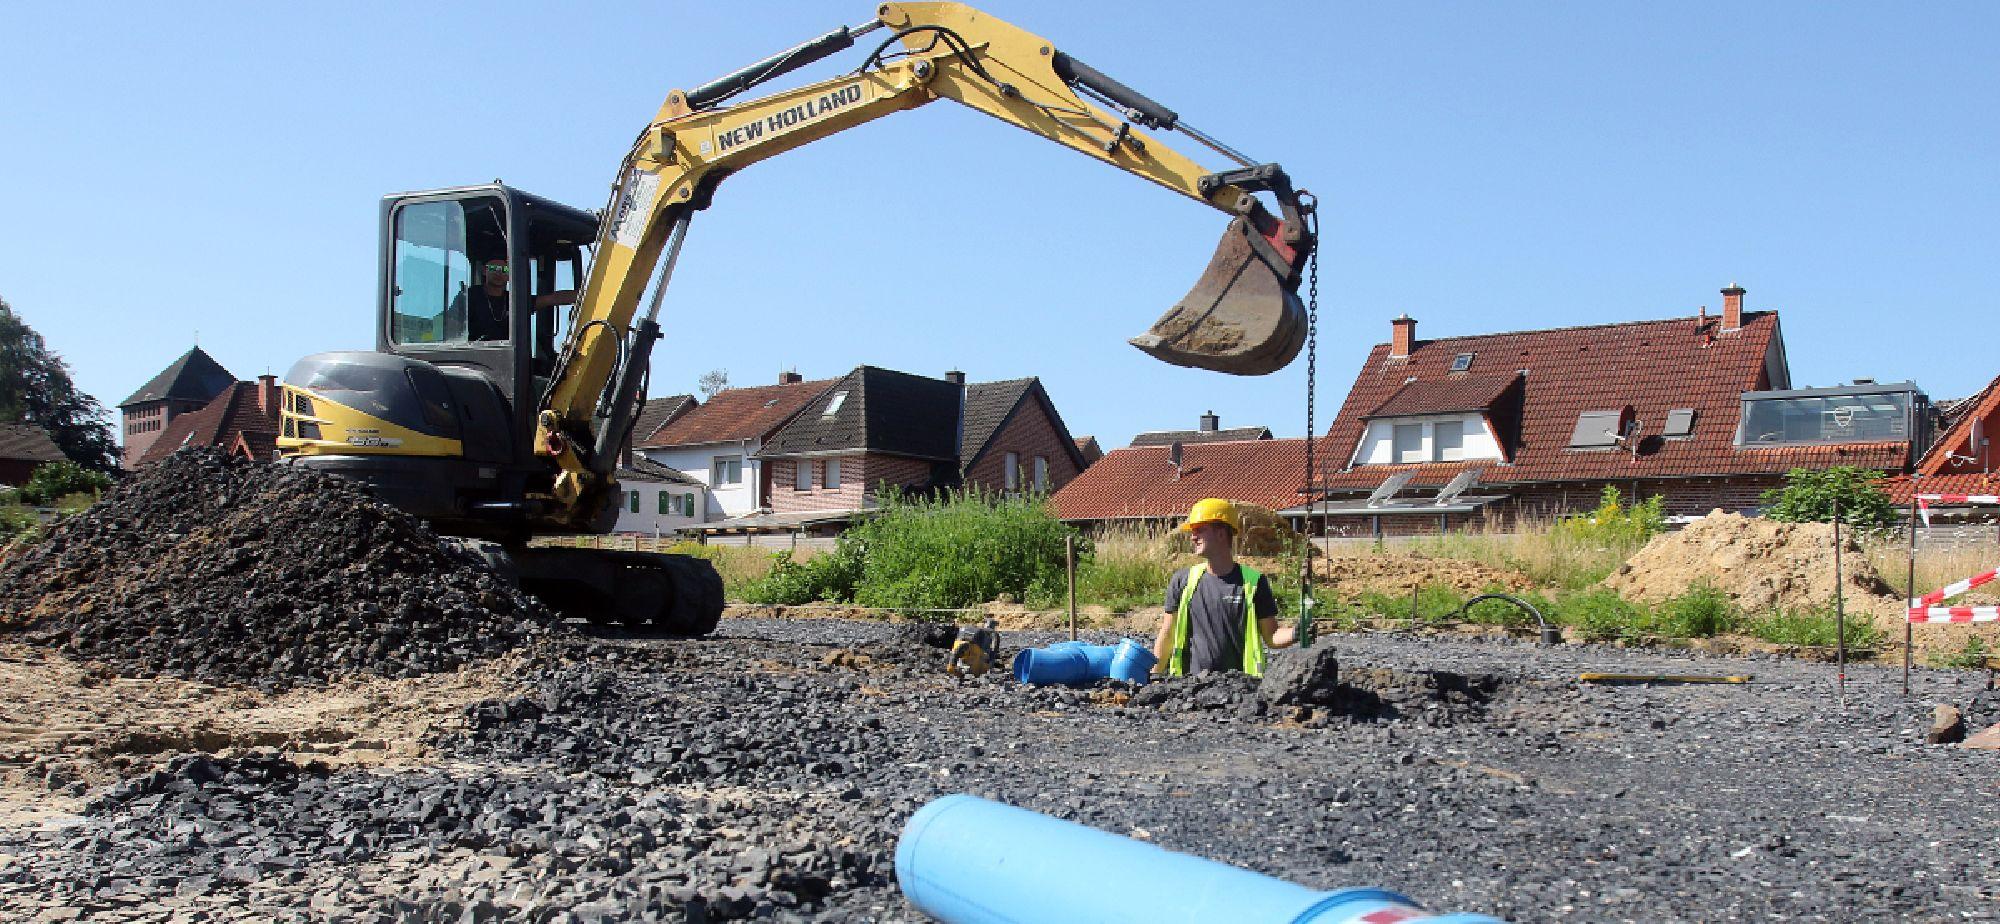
(1599, 429)
(833, 406)
(1680, 424)
(1461, 362)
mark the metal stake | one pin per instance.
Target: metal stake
(1839, 610)
(1911, 583)
(1069, 565)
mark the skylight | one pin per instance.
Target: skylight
(1680, 423)
(1461, 362)
(833, 406)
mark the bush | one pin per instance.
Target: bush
(55, 480)
(830, 577)
(18, 520)
(1613, 523)
(956, 551)
(1809, 496)
(1700, 613)
(1602, 615)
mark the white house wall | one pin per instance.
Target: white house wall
(698, 462)
(1378, 445)
(649, 520)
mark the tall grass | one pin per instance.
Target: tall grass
(1936, 567)
(1538, 547)
(740, 566)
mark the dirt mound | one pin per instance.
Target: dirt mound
(1763, 565)
(1264, 532)
(1399, 573)
(222, 570)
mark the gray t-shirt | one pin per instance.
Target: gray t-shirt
(1215, 617)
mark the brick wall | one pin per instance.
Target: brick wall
(1031, 433)
(858, 476)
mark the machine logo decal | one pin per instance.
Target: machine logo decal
(635, 206)
(780, 123)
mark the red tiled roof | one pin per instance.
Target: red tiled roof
(1140, 481)
(232, 416)
(1981, 411)
(1899, 487)
(1444, 396)
(737, 414)
(1653, 366)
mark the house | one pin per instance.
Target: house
(1013, 440)
(1437, 434)
(1961, 460)
(187, 384)
(717, 443)
(1209, 431)
(1142, 483)
(1087, 447)
(24, 448)
(657, 500)
(653, 415)
(241, 421)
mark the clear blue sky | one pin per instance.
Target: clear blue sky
(168, 169)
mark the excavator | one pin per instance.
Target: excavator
(512, 355)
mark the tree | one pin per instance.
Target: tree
(712, 383)
(35, 388)
(1809, 496)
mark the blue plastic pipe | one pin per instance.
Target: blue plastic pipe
(966, 860)
(1078, 664)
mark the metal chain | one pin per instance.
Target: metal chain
(1304, 633)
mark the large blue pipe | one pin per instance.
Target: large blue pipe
(1078, 664)
(965, 860)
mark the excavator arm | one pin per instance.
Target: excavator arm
(1243, 316)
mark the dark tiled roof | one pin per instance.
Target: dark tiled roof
(989, 406)
(657, 413)
(219, 423)
(1445, 396)
(195, 376)
(1088, 448)
(737, 414)
(1140, 481)
(644, 469)
(1170, 437)
(879, 410)
(27, 443)
(1653, 366)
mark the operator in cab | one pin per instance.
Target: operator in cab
(1220, 615)
(485, 307)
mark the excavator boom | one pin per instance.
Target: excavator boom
(1243, 315)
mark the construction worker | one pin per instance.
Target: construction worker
(1220, 616)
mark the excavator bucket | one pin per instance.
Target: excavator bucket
(1243, 315)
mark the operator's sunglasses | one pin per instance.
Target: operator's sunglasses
(496, 267)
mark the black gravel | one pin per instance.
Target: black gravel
(765, 772)
(224, 570)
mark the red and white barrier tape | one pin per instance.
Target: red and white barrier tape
(1949, 591)
(1959, 498)
(1955, 614)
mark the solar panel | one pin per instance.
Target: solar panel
(1457, 486)
(1680, 423)
(1389, 487)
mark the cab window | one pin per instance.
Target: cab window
(439, 248)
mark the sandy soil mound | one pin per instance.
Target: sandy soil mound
(1763, 565)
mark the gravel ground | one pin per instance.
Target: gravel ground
(764, 773)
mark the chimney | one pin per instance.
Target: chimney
(1402, 336)
(790, 378)
(955, 377)
(1210, 423)
(1732, 307)
(268, 394)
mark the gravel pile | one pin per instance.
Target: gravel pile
(224, 570)
(743, 776)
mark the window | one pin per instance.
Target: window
(1596, 430)
(1041, 474)
(633, 501)
(1680, 424)
(832, 474)
(1409, 441)
(728, 470)
(1448, 440)
(1826, 418)
(833, 406)
(802, 475)
(667, 503)
(1013, 471)
(1461, 362)
(433, 269)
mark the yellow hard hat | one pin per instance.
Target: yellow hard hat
(1213, 509)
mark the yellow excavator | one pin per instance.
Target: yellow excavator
(511, 352)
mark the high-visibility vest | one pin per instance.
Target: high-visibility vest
(1253, 640)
